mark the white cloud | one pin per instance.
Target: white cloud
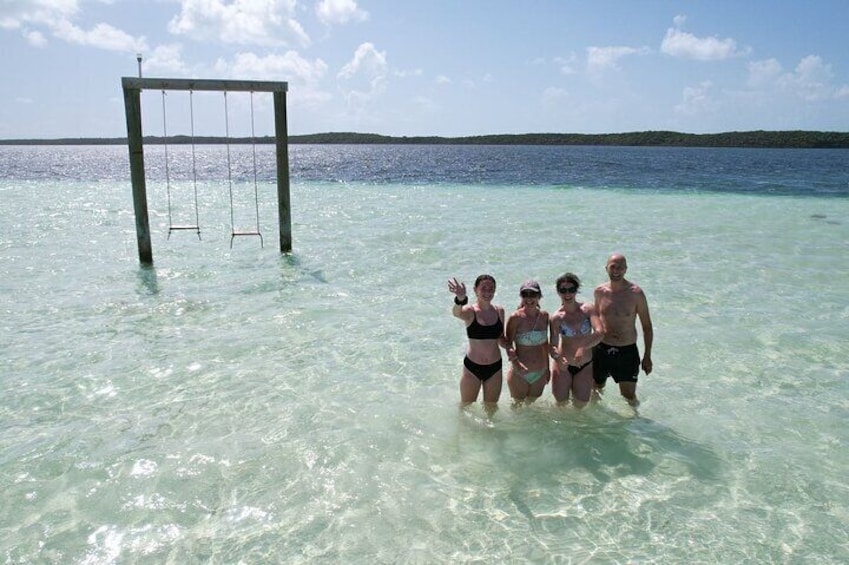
(14, 15)
(410, 73)
(35, 38)
(568, 64)
(367, 61)
(763, 73)
(697, 100)
(245, 22)
(554, 95)
(165, 59)
(363, 78)
(57, 17)
(290, 67)
(678, 43)
(303, 76)
(339, 11)
(842, 92)
(103, 36)
(601, 58)
(811, 80)
(442, 79)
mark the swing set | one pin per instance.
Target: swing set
(132, 104)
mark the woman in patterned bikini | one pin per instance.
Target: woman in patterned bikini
(574, 330)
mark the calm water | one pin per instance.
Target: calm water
(236, 405)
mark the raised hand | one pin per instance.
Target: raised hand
(457, 288)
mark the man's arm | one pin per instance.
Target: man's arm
(648, 330)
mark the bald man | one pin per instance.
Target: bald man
(620, 302)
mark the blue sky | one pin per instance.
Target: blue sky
(447, 68)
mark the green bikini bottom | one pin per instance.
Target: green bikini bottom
(533, 376)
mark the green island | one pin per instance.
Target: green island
(759, 138)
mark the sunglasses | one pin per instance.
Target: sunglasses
(528, 294)
(567, 289)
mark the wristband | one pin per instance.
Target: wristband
(461, 302)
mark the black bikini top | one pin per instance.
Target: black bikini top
(479, 331)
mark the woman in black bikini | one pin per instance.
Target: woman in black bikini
(485, 330)
(574, 330)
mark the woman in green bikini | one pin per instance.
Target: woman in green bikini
(527, 346)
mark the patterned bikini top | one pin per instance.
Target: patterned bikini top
(586, 328)
(532, 337)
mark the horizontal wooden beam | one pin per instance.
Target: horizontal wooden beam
(135, 83)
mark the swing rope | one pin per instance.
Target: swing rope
(167, 173)
(256, 189)
(194, 159)
(171, 226)
(233, 232)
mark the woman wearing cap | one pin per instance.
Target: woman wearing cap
(527, 346)
(485, 330)
(574, 330)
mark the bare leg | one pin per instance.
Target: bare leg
(582, 386)
(492, 389)
(561, 384)
(470, 386)
(629, 391)
(517, 384)
(491, 393)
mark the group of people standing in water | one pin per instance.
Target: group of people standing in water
(576, 348)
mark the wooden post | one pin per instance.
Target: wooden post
(132, 107)
(284, 210)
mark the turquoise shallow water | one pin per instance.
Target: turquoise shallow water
(241, 406)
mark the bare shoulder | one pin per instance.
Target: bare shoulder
(556, 316)
(635, 288)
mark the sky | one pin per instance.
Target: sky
(435, 67)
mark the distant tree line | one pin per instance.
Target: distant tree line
(760, 138)
(813, 139)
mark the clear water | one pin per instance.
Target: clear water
(236, 405)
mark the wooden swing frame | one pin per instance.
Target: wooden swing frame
(133, 86)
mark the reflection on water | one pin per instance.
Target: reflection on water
(148, 283)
